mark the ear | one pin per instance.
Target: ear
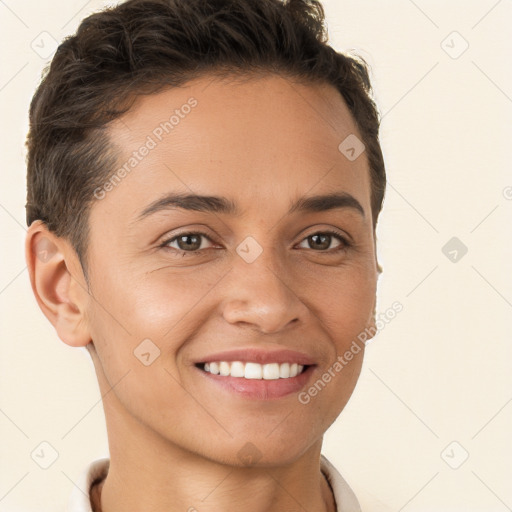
(58, 283)
(378, 265)
(371, 326)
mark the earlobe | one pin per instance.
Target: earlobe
(54, 276)
(372, 324)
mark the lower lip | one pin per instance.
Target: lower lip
(261, 389)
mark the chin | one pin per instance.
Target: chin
(260, 451)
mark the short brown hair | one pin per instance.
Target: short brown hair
(141, 46)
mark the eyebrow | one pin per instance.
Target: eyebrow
(219, 204)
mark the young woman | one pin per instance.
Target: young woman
(204, 183)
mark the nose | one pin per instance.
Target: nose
(261, 294)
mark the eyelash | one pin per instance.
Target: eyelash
(345, 244)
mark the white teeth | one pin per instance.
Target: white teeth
(237, 369)
(224, 368)
(284, 370)
(270, 371)
(253, 371)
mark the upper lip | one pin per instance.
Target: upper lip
(259, 355)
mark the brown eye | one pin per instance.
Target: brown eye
(186, 242)
(321, 241)
(189, 242)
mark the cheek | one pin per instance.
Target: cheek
(136, 314)
(130, 320)
(344, 305)
(171, 304)
(342, 301)
(344, 312)
(150, 304)
(353, 311)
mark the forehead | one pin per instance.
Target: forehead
(253, 140)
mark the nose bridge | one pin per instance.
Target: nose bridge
(260, 292)
(265, 273)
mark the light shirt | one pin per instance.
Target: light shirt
(97, 470)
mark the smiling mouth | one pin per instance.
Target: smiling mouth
(253, 371)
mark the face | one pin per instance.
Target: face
(176, 285)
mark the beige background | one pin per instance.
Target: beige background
(438, 373)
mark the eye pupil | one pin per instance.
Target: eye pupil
(323, 237)
(189, 245)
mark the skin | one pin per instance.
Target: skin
(262, 143)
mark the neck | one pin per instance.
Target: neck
(253, 497)
(155, 475)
